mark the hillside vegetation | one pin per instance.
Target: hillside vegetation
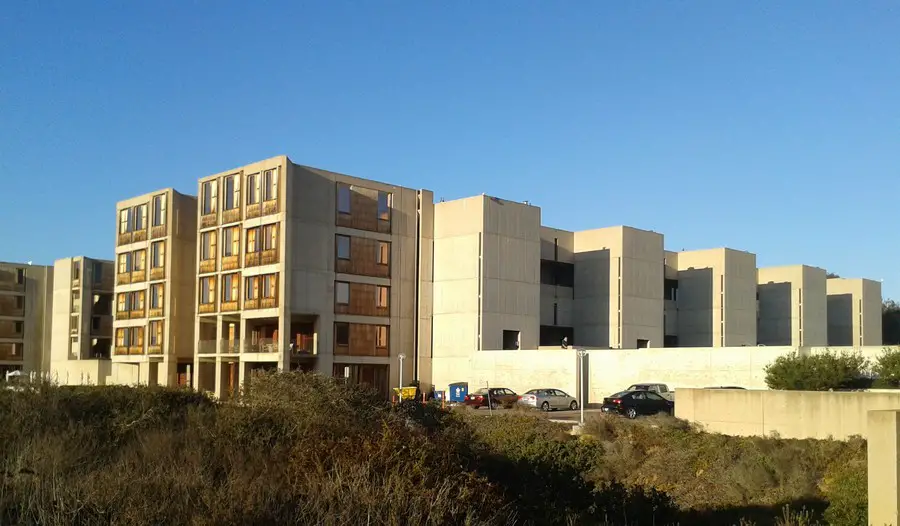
(303, 449)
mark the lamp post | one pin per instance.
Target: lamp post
(581, 354)
(401, 357)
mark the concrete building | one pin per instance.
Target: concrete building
(557, 287)
(301, 268)
(25, 301)
(82, 319)
(619, 287)
(154, 290)
(714, 294)
(854, 312)
(792, 306)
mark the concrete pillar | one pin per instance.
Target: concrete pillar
(884, 476)
(220, 385)
(284, 351)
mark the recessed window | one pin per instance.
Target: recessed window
(341, 293)
(20, 302)
(269, 285)
(207, 290)
(384, 206)
(95, 323)
(231, 242)
(159, 210)
(252, 189)
(343, 199)
(510, 340)
(270, 185)
(383, 254)
(382, 294)
(232, 192)
(381, 336)
(97, 271)
(125, 221)
(251, 288)
(19, 327)
(158, 254)
(230, 287)
(125, 263)
(343, 246)
(157, 292)
(270, 236)
(139, 260)
(209, 197)
(140, 217)
(20, 276)
(342, 333)
(208, 245)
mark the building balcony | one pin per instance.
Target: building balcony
(264, 257)
(229, 346)
(120, 351)
(254, 210)
(138, 314)
(8, 308)
(11, 333)
(206, 308)
(138, 276)
(251, 304)
(229, 306)
(139, 235)
(231, 216)
(304, 345)
(207, 265)
(209, 220)
(123, 278)
(156, 313)
(231, 263)
(104, 328)
(270, 207)
(264, 345)
(158, 232)
(157, 273)
(12, 286)
(125, 238)
(155, 349)
(206, 347)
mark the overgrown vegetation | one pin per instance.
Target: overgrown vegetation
(303, 449)
(832, 371)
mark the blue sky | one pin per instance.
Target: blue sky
(766, 126)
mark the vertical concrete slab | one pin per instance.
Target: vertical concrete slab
(884, 475)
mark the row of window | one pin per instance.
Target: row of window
(342, 294)
(134, 336)
(258, 239)
(134, 301)
(259, 188)
(345, 202)
(342, 335)
(343, 250)
(136, 261)
(255, 287)
(134, 219)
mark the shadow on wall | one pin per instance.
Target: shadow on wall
(840, 319)
(592, 297)
(695, 307)
(776, 321)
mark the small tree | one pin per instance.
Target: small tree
(818, 372)
(890, 322)
(887, 367)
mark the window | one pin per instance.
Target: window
(557, 273)
(252, 189)
(157, 291)
(208, 245)
(140, 217)
(232, 192)
(159, 210)
(97, 271)
(207, 290)
(341, 293)
(510, 340)
(384, 206)
(19, 327)
(270, 185)
(230, 287)
(125, 221)
(122, 304)
(253, 240)
(158, 254)
(76, 270)
(671, 289)
(209, 197)
(270, 237)
(343, 199)
(95, 323)
(138, 300)
(139, 260)
(342, 333)
(231, 244)
(381, 296)
(121, 337)
(381, 336)
(156, 332)
(383, 257)
(20, 276)
(343, 246)
(125, 263)
(251, 291)
(269, 285)
(20, 302)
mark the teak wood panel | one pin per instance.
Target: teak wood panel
(363, 211)
(362, 342)
(363, 301)
(363, 259)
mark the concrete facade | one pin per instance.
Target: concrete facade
(82, 318)
(557, 320)
(26, 301)
(792, 306)
(302, 268)
(153, 330)
(619, 280)
(854, 312)
(715, 298)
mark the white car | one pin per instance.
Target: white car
(548, 399)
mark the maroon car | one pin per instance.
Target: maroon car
(494, 397)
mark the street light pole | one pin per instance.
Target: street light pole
(401, 357)
(581, 354)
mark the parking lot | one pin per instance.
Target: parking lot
(567, 415)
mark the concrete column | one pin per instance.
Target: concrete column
(284, 327)
(884, 476)
(168, 371)
(220, 385)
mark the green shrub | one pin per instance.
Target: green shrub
(846, 487)
(887, 368)
(818, 372)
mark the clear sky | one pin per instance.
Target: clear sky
(764, 126)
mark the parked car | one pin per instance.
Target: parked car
(493, 397)
(660, 389)
(635, 403)
(548, 399)
(726, 387)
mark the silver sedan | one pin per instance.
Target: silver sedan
(548, 399)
